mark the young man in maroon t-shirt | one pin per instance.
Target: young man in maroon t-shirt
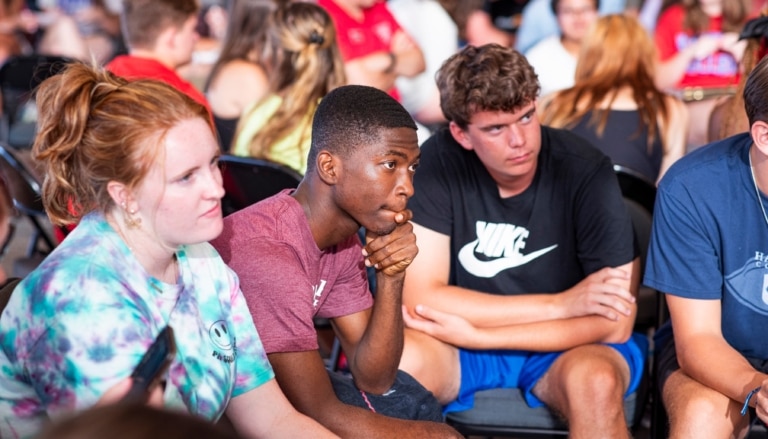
(298, 256)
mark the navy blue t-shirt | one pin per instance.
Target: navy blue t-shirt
(710, 240)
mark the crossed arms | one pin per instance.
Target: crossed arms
(599, 309)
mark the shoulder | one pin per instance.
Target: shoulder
(570, 154)
(544, 46)
(257, 113)
(265, 218)
(237, 85)
(564, 142)
(256, 218)
(248, 230)
(242, 73)
(440, 146)
(676, 110)
(707, 164)
(202, 251)
(536, 9)
(672, 14)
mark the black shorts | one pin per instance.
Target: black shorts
(406, 399)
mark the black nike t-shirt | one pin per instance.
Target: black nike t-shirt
(569, 223)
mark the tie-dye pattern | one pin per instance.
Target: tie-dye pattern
(79, 324)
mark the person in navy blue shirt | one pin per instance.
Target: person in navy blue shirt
(709, 254)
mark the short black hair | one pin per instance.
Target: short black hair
(353, 115)
(555, 3)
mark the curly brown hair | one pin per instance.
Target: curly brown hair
(485, 78)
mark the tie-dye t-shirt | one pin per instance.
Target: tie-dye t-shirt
(79, 324)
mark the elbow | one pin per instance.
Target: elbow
(415, 67)
(378, 385)
(420, 67)
(666, 80)
(620, 333)
(618, 338)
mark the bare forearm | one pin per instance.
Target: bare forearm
(370, 70)
(296, 426)
(355, 422)
(409, 63)
(487, 310)
(670, 72)
(711, 361)
(374, 365)
(555, 335)
(265, 412)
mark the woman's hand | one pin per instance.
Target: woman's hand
(117, 392)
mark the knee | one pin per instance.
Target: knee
(695, 408)
(691, 407)
(600, 383)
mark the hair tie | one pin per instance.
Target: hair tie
(755, 28)
(316, 38)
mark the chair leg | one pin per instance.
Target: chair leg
(333, 361)
(32, 245)
(659, 422)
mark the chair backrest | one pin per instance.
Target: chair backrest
(24, 188)
(249, 180)
(636, 187)
(19, 77)
(25, 192)
(640, 197)
(5, 291)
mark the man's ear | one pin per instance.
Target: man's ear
(460, 135)
(759, 132)
(328, 167)
(166, 39)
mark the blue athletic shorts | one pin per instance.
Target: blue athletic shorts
(495, 369)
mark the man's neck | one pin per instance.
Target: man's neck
(326, 222)
(571, 46)
(350, 8)
(156, 258)
(154, 55)
(512, 186)
(713, 10)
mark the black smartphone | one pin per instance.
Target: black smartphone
(152, 366)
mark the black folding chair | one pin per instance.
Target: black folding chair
(248, 180)
(19, 77)
(25, 192)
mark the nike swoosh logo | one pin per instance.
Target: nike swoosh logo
(488, 269)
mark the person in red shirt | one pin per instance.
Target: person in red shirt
(161, 37)
(376, 50)
(699, 52)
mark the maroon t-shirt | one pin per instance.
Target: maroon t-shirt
(285, 278)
